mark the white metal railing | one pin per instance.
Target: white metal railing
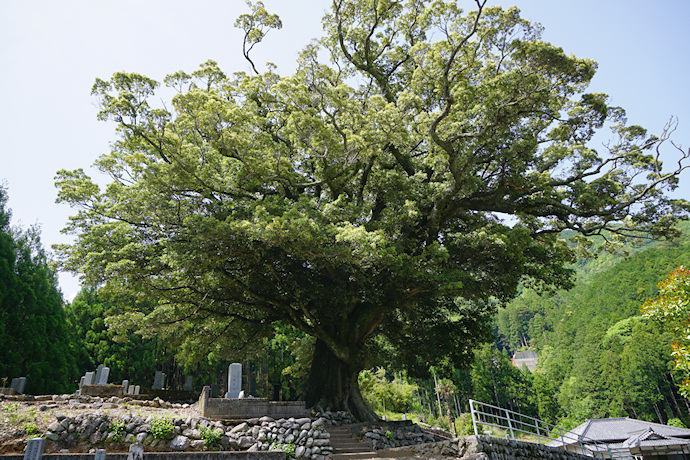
(519, 426)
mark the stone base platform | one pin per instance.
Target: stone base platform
(247, 408)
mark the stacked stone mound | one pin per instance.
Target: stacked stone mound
(307, 437)
(336, 417)
(397, 437)
(72, 401)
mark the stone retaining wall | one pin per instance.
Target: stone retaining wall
(482, 448)
(307, 437)
(273, 455)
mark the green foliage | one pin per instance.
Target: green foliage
(211, 436)
(463, 425)
(162, 428)
(119, 429)
(34, 340)
(671, 308)
(384, 395)
(597, 356)
(361, 199)
(288, 448)
(678, 423)
(95, 343)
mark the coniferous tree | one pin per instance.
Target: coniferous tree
(34, 341)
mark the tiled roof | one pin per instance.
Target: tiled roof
(619, 430)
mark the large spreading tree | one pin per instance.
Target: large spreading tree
(418, 166)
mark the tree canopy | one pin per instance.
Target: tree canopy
(418, 166)
(671, 308)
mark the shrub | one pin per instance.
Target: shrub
(30, 428)
(162, 428)
(118, 428)
(288, 448)
(382, 395)
(211, 436)
(678, 423)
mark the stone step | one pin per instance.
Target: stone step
(345, 444)
(354, 455)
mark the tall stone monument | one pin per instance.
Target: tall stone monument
(103, 377)
(97, 377)
(159, 381)
(234, 381)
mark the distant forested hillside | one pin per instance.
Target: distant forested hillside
(597, 352)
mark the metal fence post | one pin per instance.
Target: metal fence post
(474, 419)
(510, 425)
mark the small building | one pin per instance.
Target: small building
(627, 438)
(527, 358)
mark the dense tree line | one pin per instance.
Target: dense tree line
(34, 338)
(596, 350)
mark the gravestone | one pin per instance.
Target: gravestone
(103, 380)
(15, 383)
(81, 381)
(34, 449)
(136, 389)
(188, 384)
(21, 385)
(88, 378)
(97, 377)
(100, 454)
(125, 386)
(136, 452)
(234, 381)
(130, 390)
(159, 381)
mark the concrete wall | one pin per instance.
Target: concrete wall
(242, 409)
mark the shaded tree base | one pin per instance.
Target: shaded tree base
(333, 385)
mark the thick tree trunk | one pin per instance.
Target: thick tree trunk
(333, 385)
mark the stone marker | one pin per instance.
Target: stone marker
(34, 449)
(234, 380)
(103, 380)
(21, 385)
(241, 395)
(88, 378)
(81, 381)
(97, 378)
(159, 381)
(100, 454)
(125, 386)
(130, 390)
(136, 389)
(188, 384)
(15, 383)
(136, 452)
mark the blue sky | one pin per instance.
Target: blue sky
(52, 51)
